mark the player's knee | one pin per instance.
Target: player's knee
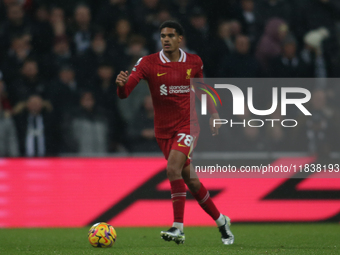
(173, 172)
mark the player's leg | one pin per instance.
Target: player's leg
(176, 161)
(201, 194)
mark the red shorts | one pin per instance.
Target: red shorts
(182, 141)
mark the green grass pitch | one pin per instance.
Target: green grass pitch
(300, 239)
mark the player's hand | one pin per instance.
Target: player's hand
(214, 130)
(122, 78)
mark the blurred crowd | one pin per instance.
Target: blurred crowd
(59, 60)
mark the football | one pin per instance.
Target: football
(102, 235)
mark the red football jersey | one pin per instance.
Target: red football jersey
(169, 84)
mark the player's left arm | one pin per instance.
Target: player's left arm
(210, 104)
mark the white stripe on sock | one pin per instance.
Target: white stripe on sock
(205, 198)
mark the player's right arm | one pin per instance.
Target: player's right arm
(126, 83)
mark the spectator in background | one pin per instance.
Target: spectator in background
(3, 8)
(268, 9)
(241, 63)
(248, 19)
(317, 134)
(14, 26)
(20, 49)
(162, 16)
(199, 24)
(57, 21)
(235, 28)
(136, 48)
(105, 89)
(110, 12)
(289, 65)
(198, 32)
(105, 92)
(313, 14)
(28, 83)
(98, 53)
(316, 14)
(82, 31)
(64, 92)
(270, 43)
(127, 53)
(120, 34)
(8, 137)
(87, 129)
(181, 9)
(42, 31)
(36, 128)
(61, 55)
(313, 52)
(142, 133)
(145, 13)
(198, 38)
(4, 100)
(119, 40)
(222, 46)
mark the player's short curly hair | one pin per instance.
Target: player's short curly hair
(173, 24)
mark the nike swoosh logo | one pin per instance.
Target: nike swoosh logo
(181, 145)
(161, 74)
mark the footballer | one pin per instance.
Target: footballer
(168, 74)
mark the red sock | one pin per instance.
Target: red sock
(205, 201)
(178, 195)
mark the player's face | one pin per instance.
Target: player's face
(170, 39)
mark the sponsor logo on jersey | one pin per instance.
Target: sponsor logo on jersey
(179, 89)
(188, 73)
(174, 89)
(161, 74)
(163, 89)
